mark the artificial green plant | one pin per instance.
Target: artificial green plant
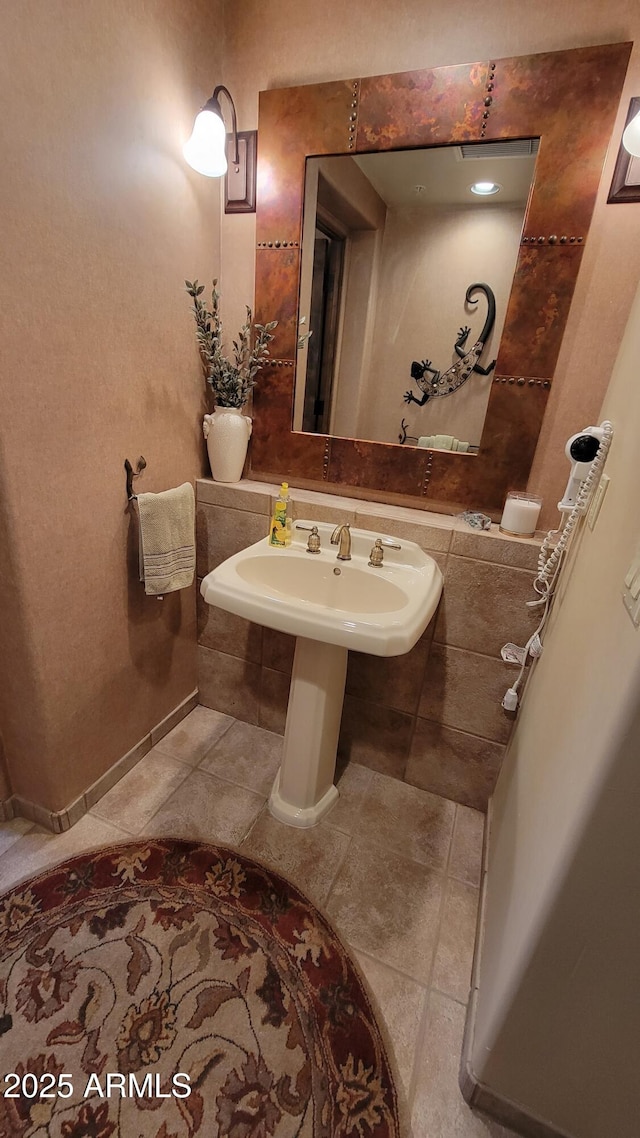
(231, 382)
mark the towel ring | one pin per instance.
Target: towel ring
(140, 465)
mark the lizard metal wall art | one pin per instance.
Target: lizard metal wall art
(440, 383)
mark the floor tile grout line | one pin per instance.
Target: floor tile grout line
(140, 833)
(420, 1038)
(498, 564)
(431, 990)
(18, 838)
(357, 807)
(472, 735)
(392, 967)
(470, 651)
(447, 996)
(426, 987)
(118, 825)
(451, 841)
(341, 862)
(35, 871)
(230, 782)
(34, 826)
(412, 735)
(452, 876)
(165, 755)
(253, 823)
(209, 747)
(185, 762)
(463, 881)
(402, 855)
(137, 833)
(213, 747)
(421, 1034)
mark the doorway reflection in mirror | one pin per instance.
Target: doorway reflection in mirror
(391, 242)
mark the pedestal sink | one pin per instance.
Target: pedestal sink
(329, 606)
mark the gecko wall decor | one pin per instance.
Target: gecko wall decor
(432, 382)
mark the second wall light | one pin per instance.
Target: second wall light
(213, 152)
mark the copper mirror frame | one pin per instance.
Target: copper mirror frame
(569, 100)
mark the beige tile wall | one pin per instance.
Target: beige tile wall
(432, 717)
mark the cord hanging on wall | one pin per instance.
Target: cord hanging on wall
(581, 486)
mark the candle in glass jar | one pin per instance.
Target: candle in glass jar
(520, 514)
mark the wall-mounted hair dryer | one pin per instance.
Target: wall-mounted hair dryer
(581, 450)
(587, 452)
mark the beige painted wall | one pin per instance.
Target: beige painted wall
(102, 221)
(558, 1017)
(429, 258)
(296, 41)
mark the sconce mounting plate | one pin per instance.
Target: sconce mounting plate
(240, 187)
(625, 184)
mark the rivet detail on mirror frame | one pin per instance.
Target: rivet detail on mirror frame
(353, 115)
(427, 473)
(277, 244)
(521, 380)
(326, 457)
(488, 101)
(552, 240)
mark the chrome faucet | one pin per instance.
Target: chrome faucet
(342, 534)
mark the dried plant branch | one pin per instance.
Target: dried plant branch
(231, 382)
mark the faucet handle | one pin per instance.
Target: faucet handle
(313, 544)
(376, 556)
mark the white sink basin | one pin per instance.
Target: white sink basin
(329, 606)
(382, 611)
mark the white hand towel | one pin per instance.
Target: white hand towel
(442, 442)
(167, 539)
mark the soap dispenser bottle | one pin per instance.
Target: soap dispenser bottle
(280, 528)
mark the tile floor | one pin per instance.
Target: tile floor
(395, 868)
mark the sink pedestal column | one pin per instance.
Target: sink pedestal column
(303, 790)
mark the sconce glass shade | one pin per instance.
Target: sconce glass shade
(631, 136)
(205, 149)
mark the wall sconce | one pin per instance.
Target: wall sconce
(631, 136)
(207, 149)
(625, 184)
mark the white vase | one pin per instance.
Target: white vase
(227, 432)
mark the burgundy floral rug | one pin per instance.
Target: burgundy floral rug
(166, 989)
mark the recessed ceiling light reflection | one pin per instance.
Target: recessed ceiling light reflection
(485, 189)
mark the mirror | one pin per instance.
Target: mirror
(405, 270)
(553, 97)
